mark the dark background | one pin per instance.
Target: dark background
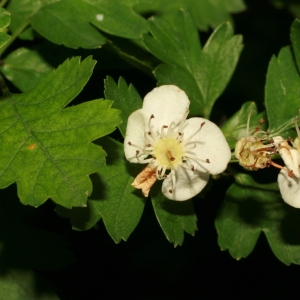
(147, 266)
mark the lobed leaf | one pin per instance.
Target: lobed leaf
(114, 199)
(126, 98)
(251, 208)
(48, 149)
(202, 74)
(174, 217)
(282, 91)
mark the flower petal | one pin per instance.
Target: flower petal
(135, 135)
(289, 188)
(289, 155)
(211, 145)
(168, 103)
(188, 184)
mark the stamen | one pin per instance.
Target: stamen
(183, 121)
(189, 138)
(248, 123)
(297, 127)
(136, 146)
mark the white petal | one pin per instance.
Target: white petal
(188, 184)
(289, 188)
(135, 134)
(289, 155)
(168, 103)
(210, 144)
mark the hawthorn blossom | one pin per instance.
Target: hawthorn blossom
(289, 177)
(181, 152)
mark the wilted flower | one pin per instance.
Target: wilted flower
(255, 149)
(182, 152)
(251, 151)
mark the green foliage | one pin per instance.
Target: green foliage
(46, 148)
(236, 127)
(25, 68)
(20, 284)
(113, 199)
(127, 99)
(251, 208)
(80, 20)
(202, 74)
(205, 13)
(4, 22)
(283, 85)
(174, 217)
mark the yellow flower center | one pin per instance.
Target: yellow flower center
(168, 152)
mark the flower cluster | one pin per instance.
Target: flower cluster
(182, 152)
(254, 152)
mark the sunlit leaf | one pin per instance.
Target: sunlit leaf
(48, 149)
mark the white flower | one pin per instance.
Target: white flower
(289, 177)
(179, 151)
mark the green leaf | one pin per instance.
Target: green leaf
(251, 208)
(4, 22)
(82, 19)
(282, 91)
(236, 127)
(203, 75)
(48, 149)
(125, 97)
(25, 68)
(174, 217)
(22, 11)
(205, 12)
(295, 38)
(114, 199)
(25, 285)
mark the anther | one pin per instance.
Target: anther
(207, 160)
(170, 191)
(129, 143)
(172, 158)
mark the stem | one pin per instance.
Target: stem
(16, 33)
(3, 2)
